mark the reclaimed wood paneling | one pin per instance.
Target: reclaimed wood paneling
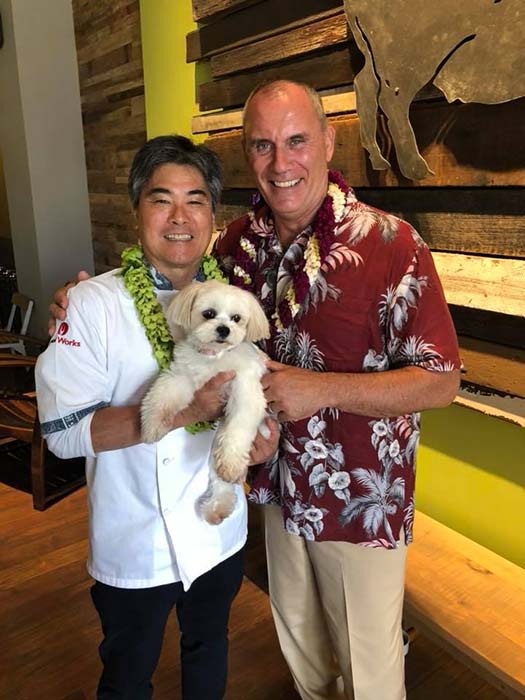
(270, 17)
(470, 211)
(487, 325)
(207, 9)
(493, 365)
(112, 96)
(481, 220)
(493, 284)
(316, 35)
(325, 70)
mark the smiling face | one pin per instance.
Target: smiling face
(175, 221)
(288, 151)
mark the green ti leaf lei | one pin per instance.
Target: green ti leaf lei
(139, 283)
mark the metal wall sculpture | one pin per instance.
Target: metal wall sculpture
(472, 50)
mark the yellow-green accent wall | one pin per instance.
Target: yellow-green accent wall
(471, 476)
(169, 81)
(471, 468)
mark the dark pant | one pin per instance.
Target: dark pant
(133, 622)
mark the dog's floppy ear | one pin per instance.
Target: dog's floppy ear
(257, 327)
(179, 311)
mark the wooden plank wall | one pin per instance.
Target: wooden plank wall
(109, 54)
(471, 211)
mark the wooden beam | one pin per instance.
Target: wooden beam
(478, 136)
(493, 366)
(494, 284)
(471, 233)
(253, 24)
(326, 70)
(482, 221)
(317, 35)
(206, 9)
(487, 325)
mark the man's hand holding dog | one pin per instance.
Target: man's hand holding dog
(208, 401)
(292, 393)
(264, 448)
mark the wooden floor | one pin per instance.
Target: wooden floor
(49, 630)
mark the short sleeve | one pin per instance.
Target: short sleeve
(420, 331)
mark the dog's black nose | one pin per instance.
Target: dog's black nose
(223, 331)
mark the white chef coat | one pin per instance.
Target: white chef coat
(144, 528)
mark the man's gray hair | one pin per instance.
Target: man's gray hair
(179, 150)
(274, 85)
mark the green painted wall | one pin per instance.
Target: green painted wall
(169, 80)
(471, 476)
(471, 468)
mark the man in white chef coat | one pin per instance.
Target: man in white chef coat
(149, 549)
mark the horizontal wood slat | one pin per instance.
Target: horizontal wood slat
(325, 70)
(487, 325)
(472, 233)
(206, 9)
(493, 284)
(317, 35)
(493, 366)
(252, 24)
(482, 221)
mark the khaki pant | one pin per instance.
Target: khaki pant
(337, 609)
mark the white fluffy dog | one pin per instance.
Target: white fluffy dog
(220, 323)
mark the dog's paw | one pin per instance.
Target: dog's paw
(230, 464)
(216, 509)
(154, 427)
(152, 433)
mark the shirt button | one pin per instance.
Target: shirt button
(167, 511)
(166, 461)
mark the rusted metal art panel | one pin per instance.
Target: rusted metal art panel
(472, 50)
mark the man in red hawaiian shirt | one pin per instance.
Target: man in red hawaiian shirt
(362, 341)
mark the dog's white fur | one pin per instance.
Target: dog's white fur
(221, 323)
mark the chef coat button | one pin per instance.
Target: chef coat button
(167, 511)
(166, 460)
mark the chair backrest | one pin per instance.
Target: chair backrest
(25, 304)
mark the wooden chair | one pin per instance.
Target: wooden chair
(9, 340)
(19, 422)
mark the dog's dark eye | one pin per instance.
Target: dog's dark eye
(236, 318)
(209, 314)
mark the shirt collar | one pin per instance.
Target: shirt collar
(161, 282)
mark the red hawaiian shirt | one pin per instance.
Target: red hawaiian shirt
(376, 305)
